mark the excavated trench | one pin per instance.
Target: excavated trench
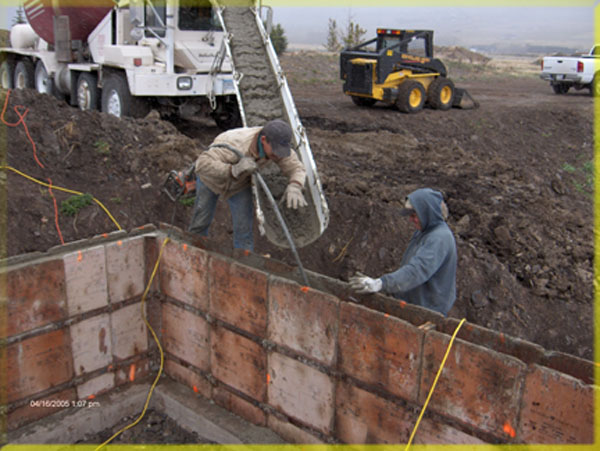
(252, 356)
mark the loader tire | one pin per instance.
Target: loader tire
(440, 95)
(7, 73)
(363, 101)
(118, 101)
(411, 97)
(24, 75)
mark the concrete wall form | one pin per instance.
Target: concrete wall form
(312, 364)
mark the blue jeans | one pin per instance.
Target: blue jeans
(242, 214)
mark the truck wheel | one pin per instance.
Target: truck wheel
(560, 88)
(43, 83)
(87, 91)
(411, 97)
(227, 113)
(7, 73)
(24, 74)
(117, 100)
(595, 86)
(363, 101)
(440, 95)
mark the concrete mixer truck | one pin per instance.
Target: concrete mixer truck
(125, 57)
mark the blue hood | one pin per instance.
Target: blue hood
(427, 203)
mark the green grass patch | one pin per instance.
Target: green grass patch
(187, 201)
(583, 176)
(73, 204)
(102, 147)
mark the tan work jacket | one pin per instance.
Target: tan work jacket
(213, 166)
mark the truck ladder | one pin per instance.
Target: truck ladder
(263, 95)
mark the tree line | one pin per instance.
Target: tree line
(337, 38)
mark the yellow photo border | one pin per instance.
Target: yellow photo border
(417, 447)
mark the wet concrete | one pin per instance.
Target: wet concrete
(262, 100)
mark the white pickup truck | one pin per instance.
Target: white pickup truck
(579, 72)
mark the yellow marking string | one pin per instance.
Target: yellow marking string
(162, 356)
(70, 191)
(437, 376)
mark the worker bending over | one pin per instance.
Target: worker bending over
(225, 169)
(427, 273)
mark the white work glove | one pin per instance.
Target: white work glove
(294, 197)
(363, 284)
(244, 167)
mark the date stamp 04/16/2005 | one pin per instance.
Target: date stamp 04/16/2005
(63, 403)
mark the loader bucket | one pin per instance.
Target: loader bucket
(464, 100)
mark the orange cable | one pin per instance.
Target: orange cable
(21, 115)
(62, 241)
(15, 108)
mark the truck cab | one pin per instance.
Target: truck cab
(172, 56)
(126, 57)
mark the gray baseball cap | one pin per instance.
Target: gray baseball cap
(279, 136)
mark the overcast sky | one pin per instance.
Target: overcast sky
(567, 26)
(465, 26)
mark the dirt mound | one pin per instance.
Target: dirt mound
(461, 55)
(122, 163)
(516, 174)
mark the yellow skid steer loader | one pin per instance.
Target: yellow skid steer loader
(400, 69)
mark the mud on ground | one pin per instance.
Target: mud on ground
(516, 173)
(153, 427)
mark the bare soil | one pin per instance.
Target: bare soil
(516, 173)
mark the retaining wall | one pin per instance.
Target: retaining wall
(312, 364)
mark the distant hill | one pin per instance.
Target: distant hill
(4, 38)
(525, 49)
(461, 54)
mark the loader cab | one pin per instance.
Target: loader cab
(411, 42)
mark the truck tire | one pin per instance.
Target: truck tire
(363, 101)
(118, 101)
(560, 88)
(87, 91)
(7, 73)
(595, 86)
(411, 97)
(227, 113)
(43, 83)
(440, 94)
(24, 75)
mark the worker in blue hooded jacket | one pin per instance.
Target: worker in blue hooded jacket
(427, 273)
